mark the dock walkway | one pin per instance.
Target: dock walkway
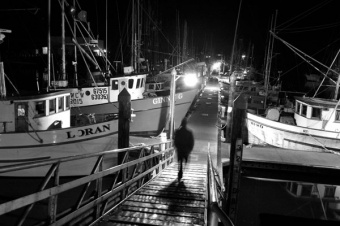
(165, 201)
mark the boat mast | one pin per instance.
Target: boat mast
(49, 46)
(132, 33)
(63, 59)
(269, 57)
(75, 49)
(337, 82)
(106, 66)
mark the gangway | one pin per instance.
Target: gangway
(148, 173)
(165, 201)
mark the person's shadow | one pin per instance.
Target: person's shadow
(182, 201)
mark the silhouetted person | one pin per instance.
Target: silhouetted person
(184, 143)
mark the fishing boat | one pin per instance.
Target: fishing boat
(37, 126)
(313, 125)
(150, 99)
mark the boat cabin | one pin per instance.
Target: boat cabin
(35, 112)
(317, 113)
(87, 96)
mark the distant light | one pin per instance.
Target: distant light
(72, 10)
(243, 56)
(190, 79)
(216, 66)
(45, 50)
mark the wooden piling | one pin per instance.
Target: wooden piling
(124, 100)
(236, 151)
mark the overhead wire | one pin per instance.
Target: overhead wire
(301, 15)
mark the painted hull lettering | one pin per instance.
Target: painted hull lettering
(88, 131)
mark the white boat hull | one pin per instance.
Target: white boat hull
(19, 148)
(290, 136)
(151, 114)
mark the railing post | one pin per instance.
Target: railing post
(53, 200)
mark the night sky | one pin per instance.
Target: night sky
(313, 28)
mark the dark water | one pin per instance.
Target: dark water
(263, 201)
(12, 188)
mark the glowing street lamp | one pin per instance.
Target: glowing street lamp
(190, 79)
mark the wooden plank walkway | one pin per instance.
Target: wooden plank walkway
(166, 202)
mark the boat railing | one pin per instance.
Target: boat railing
(215, 196)
(93, 195)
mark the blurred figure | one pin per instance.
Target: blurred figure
(184, 143)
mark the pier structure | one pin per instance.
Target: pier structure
(144, 188)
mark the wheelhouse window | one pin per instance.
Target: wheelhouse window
(114, 85)
(304, 110)
(330, 191)
(142, 83)
(337, 116)
(316, 113)
(138, 83)
(131, 83)
(52, 106)
(306, 190)
(60, 104)
(294, 188)
(152, 86)
(68, 101)
(40, 108)
(297, 108)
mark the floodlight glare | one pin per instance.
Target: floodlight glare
(190, 79)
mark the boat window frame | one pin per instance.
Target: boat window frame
(306, 190)
(304, 110)
(138, 83)
(294, 188)
(312, 112)
(337, 116)
(329, 191)
(61, 106)
(37, 111)
(298, 108)
(151, 86)
(68, 102)
(131, 83)
(51, 110)
(114, 84)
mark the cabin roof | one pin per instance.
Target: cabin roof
(35, 95)
(318, 102)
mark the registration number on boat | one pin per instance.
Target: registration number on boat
(99, 94)
(256, 124)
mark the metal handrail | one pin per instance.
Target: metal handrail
(215, 211)
(143, 169)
